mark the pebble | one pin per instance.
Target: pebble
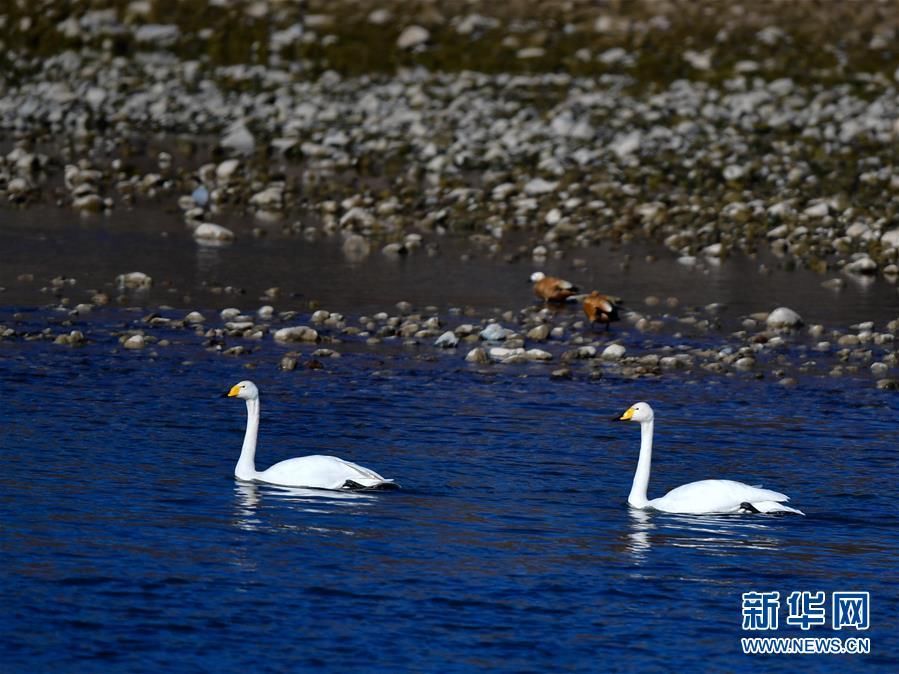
(75, 337)
(494, 333)
(746, 363)
(818, 210)
(200, 196)
(879, 369)
(448, 340)
(890, 239)
(504, 354)
(320, 316)
(477, 355)
(539, 187)
(227, 170)
(394, 250)
(238, 138)
(538, 333)
(135, 280)
(613, 352)
(413, 36)
(783, 318)
(299, 333)
(380, 16)
(134, 342)
(89, 203)
(862, 265)
(269, 199)
(210, 232)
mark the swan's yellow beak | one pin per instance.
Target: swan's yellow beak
(234, 391)
(627, 415)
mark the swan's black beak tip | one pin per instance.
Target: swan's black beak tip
(224, 394)
(615, 417)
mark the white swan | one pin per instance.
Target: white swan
(318, 472)
(696, 498)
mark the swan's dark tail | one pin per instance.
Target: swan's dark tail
(381, 486)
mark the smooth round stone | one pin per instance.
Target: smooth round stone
(413, 36)
(210, 232)
(783, 317)
(613, 352)
(879, 369)
(746, 363)
(134, 342)
(539, 333)
(299, 333)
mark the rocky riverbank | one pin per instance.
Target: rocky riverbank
(735, 145)
(525, 131)
(656, 338)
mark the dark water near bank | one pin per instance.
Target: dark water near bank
(46, 243)
(128, 546)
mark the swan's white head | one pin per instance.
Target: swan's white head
(246, 390)
(537, 276)
(637, 412)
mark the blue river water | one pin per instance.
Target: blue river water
(129, 547)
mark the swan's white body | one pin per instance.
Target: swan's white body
(696, 498)
(316, 471)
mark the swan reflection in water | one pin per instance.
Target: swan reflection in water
(639, 540)
(251, 497)
(718, 534)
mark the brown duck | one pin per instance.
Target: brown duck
(552, 289)
(601, 308)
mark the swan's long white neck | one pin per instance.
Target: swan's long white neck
(246, 464)
(637, 497)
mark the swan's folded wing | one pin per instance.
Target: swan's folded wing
(365, 476)
(321, 472)
(714, 496)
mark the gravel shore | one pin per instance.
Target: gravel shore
(712, 131)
